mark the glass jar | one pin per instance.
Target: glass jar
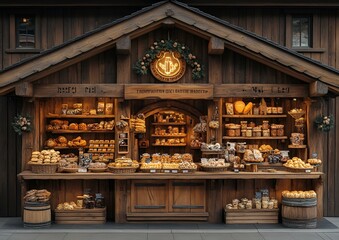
(99, 201)
(266, 133)
(257, 132)
(255, 110)
(249, 132)
(237, 131)
(280, 130)
(270, 204)
(264, 204)
(265, 125)
(280, 110)
(80, 201)
(274, 130)
(230, 131)
(258, 204)
(274, 110)
(243, 124)
(269, 110)
(243, 133)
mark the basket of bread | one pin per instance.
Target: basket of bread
(297, 165)
(123, 165)
(44, 162)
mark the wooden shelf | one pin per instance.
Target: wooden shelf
(256, 116)
(169, 145)
(81, 131)
(79, 116)
(169, 124)
(297, 146)
(28, 175)
(256, 138)
(169, 136)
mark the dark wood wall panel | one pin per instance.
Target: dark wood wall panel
(10, 161)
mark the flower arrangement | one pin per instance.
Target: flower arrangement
(142, 65)
(324, 123)
(22, 124)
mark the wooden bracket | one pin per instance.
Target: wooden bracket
(124, 45)
(318, 89)
(24, 89)
(216, 46)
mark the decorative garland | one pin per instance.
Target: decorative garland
(324, 123)
(22, 124)
(142, 65)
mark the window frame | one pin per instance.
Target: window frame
(289, 33)
(12, 34)
(310, 30)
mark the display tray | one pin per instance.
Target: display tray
(213, 169)
(98, 170)
(304, 170)
(251, 216)
(68, 170)
(81, 216)
(122, 169)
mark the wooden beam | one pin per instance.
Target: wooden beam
(318, 89)
(261, 90)
(24, 89)
(216, 46)
(124, 45)
(79, 90)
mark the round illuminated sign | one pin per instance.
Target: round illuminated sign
(168, 66)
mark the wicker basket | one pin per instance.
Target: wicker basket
(122, 169)
(213, 169)
(44, 168)
(299, 170)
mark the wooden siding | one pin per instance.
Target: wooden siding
(61, 24)
(10, 161)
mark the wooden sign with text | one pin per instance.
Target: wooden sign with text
(261, 90)
(168, 91)
(79, 90)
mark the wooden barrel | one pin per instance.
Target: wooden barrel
(299, 213)
(37, 215)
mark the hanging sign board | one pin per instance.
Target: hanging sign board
(168, 91)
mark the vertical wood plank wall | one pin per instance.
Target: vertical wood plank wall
(10, 160)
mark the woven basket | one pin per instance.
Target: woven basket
(122, 170)
(44, 168)
(299, 170)
(213, 169)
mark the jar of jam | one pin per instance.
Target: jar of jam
(266, 133)
(243, 133)
(243, 124)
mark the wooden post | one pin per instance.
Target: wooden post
(317, 89)
(24, 89)
(319, 189)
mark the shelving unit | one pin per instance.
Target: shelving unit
(255, 116)
(256, 138)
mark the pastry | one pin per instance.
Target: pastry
(82, 126)
(73, 126)
(248, 108)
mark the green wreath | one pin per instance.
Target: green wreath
(142, 65)
(324, 123)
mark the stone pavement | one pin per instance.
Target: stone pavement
(12, 229)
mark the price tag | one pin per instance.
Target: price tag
(184, 171)
(152, 170)
(174, 171)
(236, 170)
(307, 170)
(167, 171)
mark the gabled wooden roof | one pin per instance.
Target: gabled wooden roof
(147, 19)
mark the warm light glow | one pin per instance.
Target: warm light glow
(168, 66)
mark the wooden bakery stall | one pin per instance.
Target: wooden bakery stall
(200, 131)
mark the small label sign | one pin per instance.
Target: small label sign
(307, 170)
(152, 170)
(236, 170)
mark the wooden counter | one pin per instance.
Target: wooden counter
(199, 196)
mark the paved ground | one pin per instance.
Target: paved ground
(12, 229)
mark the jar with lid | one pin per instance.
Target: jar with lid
(280, 130)
(243, 133)
(264, 204)
(280, 110)
(255, 110)
(257, 132)
(274, 129)
(249, 132)
(266, 133)
(243, 124)
(99, 200)
(269, 110)
(265, 125)
(237, 130)
(274, 110)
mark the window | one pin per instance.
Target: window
(25, 32)
(301, 31)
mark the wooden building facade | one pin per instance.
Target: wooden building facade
(245, 48)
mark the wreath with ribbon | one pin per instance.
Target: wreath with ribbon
(142, 65)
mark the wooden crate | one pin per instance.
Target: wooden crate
(251, 216)
(81, 216)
